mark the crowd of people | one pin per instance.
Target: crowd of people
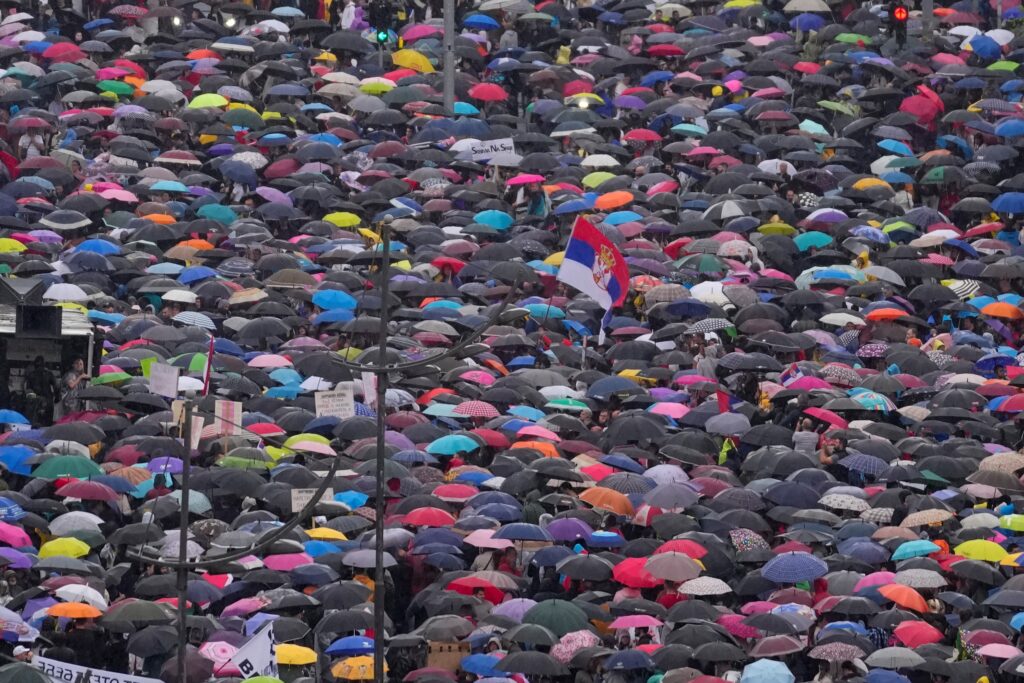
(792, 452)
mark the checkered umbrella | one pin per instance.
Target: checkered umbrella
(920, 578)
(476, 409)
(708, 325)
(864, 463)
(794, 567)
(840, 501)
(878, 515)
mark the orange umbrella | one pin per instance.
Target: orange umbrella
(613, 200)
(160, 218)
(886, 314)
(546, 448)
(74, 610)
(1001, 309)
(135, 475)
(198, 244)
(904, 596)
(607, 499)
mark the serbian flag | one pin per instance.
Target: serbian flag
(593, 265)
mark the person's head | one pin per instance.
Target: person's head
(39, 362)
(22, 653)
(78, 365)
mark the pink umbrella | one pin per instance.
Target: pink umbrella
(758, 607)
(244, 606)
(673, 410)
(14, 536)
(808, 383)
(287, 561)
(733, 623)
(1000, 651)
(414, 33)
(478, 376)
(876, 579)
(483, 538)
(270, 360)
(525, 179)
(636, 621)
(538, 432)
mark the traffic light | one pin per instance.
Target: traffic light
(898, 16)
(380, 20)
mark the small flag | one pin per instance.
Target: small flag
(593, 265)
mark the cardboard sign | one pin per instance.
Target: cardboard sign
(485, 149)
(340, 402)
(163, 380)
(301, 497)
(72, 673)
(227, 418)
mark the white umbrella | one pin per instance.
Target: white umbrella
(80, 593)
(65, 291)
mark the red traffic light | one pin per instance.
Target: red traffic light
(900, 13)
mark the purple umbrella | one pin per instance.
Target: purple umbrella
(569, 529)
(35, 605)
(165, 464)
(274, 195)
(514, 609)
(629, 102)
(18, 559)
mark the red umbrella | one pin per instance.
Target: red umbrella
(642, 135)
(63, 52)
(665, 50)
(468, 585)
(914, 634)
(488, 92)
(827, 416)
(87, 490)
(429, 517)
(631, 572)
(492, 438)
(455, 493)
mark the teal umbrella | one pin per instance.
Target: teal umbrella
(452, 444)
(541, 311)
(494, 218)
(812, 240)
(558, 616)
(216, 212)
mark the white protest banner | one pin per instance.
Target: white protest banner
(300, 497)
(227, 418)
(369, 389)
(258, 657)
(163, 379)
(197, 432)
(485, 149)
(72, 673)
(340, 403)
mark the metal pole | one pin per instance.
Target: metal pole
(928, 20)
(186, 435)
(449, 55)
(381, 375)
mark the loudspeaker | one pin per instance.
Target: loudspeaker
(38, 321)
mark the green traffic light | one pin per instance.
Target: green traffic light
(382, 36)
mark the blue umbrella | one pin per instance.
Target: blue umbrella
(896, 147)
(985, 47)
(12, 417)
(551, 555)
(807, 22)
(13, 458)
(334, 298)
(620, 217)
(919, 548)
(494, 218)
(767, 671)
(1009, 202)
(521, 531)
(10, 511)
(794, 567)
(481, 21)
(1010, 128)
(99, 246)
(479, 664)
(451, 444)
(629, 660)
(655, 77)
(864, 549)
(349, 646)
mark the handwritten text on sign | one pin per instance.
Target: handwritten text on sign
(485, 149)
(72, 673)
(301, 497)
(340, 402)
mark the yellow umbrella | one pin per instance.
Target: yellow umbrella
(555, 259)
(355, 669)
(588, 97)
(369, 234)
(64, 547)
(596, 178)
(980, 549)
(350, 353)
(376, 85)
(343, 219)
(777, 229)
(326, 533)
(242, 105)
(8, 245)
(71, 306)
(295, 655)
(867, 183)
(411, 59)
(208, 99)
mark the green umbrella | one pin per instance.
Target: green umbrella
(116, 87)
(940, 175)
(689, 129)
(111, 378)
(191, 362)
(567, 404)
(1003, 65)
(559, 616)
(853, 38)
(239, 463)
(244, 118)
(19, 672)
(839, 107)
(702, 263)
(76, 466)
(904, 162)
(91, 538)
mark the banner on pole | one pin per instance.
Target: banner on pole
(258, 657)
(72, 673)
